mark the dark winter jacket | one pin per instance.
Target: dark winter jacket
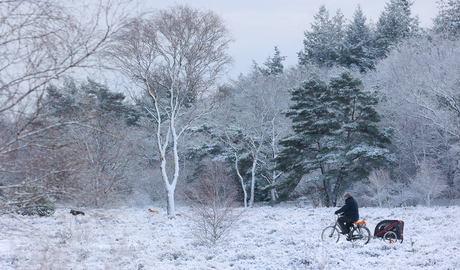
(350, 209)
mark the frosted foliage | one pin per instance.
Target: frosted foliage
(428, 182)
(380, 186)
(368, 151)
(254, 111)
(447, 21)
(323, 43)
(420, 82)
(358, 45)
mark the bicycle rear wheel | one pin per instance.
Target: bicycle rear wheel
(330, 235)
(361, 233)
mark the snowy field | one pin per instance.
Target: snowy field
(281, 237)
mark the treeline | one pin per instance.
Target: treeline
(370, 108)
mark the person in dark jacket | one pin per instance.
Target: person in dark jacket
(350, 213)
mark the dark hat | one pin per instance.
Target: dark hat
(347, 195)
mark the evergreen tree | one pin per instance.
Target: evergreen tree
(336, 136)
(447, 21)
(359, 48)
(76, 103)
(274, 65)
(395, 24)
(323, 44)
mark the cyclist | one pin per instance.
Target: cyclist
(350, 213)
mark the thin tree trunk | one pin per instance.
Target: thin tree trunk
(242, 182)
(253, 181)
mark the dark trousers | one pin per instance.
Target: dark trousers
(345, 223)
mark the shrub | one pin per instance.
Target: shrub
(212, 200)
(33, 201)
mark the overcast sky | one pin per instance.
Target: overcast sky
(260, 25)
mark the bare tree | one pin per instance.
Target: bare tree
(261, 99)
(176, 58)
(235, 147)
(103, 161)
(380, 186)
(40, 41)
(212, 200)
(428, 182)
(99, 148)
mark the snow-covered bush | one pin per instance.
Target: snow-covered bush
(30, 201)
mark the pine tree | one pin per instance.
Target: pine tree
(336, 136)
(75, 103)
(395, 24)
(274, 65)
(323, 44)
(359, 48)
(447, 22)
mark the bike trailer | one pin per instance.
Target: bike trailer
(391, 230)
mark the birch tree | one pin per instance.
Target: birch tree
(176, 57)
(261, 97)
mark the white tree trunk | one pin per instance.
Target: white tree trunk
(170, 187)
(256, 151)
(245, 199)
(253, 180)
(170, 207)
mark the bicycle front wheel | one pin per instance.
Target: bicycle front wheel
(361, 234)
(330, 235)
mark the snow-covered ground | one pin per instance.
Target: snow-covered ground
(281, 237)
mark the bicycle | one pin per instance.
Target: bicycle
(359, 232)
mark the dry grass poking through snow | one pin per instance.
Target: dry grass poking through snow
(278, 237)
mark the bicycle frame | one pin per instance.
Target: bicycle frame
(337, 226)
(358, 231)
